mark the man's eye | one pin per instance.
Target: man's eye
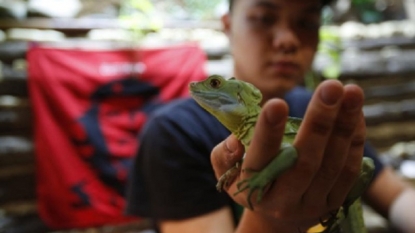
(215, 83)
(263, 20)
(309, 24)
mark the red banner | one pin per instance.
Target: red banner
(89, 106)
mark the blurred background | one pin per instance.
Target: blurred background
(367, 42)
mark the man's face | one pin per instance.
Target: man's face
(273, 42)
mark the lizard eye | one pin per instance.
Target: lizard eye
(215, 83)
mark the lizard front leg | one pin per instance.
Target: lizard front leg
(229, 176)
(259, 181)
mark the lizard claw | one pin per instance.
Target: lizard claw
(226, 179)
(253, 183)
(332, 224)
(328, 221)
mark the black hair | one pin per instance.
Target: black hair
(231, 3)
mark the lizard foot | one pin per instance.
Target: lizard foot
(332, 224)
(226, 179)
(330, 220)
(254, 183)
(262, 180)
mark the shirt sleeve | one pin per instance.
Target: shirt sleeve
(370, 152)
(172, 177)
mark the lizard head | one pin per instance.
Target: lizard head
(229, 100)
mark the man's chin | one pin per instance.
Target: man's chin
(277, 90)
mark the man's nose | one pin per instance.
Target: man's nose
(286, 40)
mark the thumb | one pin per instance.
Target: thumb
(226, 154)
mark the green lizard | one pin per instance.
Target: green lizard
(236, 105)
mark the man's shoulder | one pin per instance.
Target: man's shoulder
(179, 109)
(184, 116)
(175, 144)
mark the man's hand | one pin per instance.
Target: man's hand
(330, 147)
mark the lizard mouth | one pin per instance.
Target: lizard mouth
(212, 99)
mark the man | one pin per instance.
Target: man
(273, 43)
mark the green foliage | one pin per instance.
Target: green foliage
(367, 12)
(190, 9)
(201, 9)
(330, 48)
(360, 2)
(139, 16)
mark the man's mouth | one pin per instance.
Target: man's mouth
(285, 67)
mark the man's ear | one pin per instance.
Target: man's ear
(226, 23)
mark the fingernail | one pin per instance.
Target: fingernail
(330, 95)
(272, 117)
(352, 100)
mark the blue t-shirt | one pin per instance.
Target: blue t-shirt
(172, 176)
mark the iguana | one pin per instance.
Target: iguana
(235, 104)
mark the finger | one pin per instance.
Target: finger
(337, 148)
(351, 169)
(267, 136)
(265, 144)
(226, 154)
(311, 140)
